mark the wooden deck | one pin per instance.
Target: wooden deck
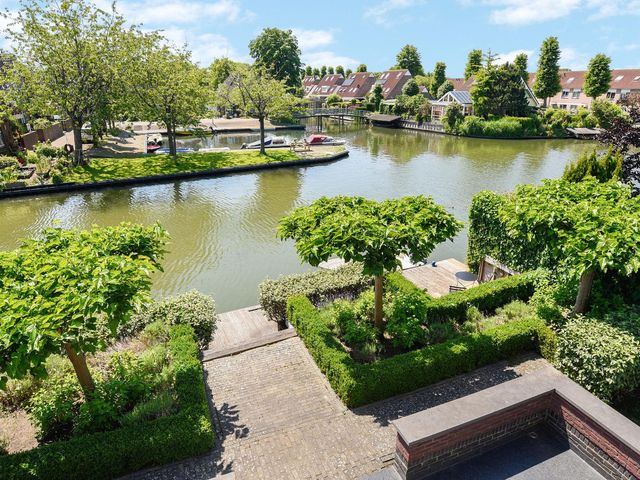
(239, 327)
(436, 280)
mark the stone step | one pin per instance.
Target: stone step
(209, 355)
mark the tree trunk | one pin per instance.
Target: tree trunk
(262, 149)
(171, 138)
(78, 156)
(584, 291)
(79, 362)
(378, 316)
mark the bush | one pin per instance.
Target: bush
(111, 454)
(356, 329)
(602, 358)
(605, 112)
(359, 384)
(406, 314)
(54, 407)
(604, 168)
(319, 286)
(191, 308)
(452, 118)
(505, 127)
(333, 99)
(556, 121)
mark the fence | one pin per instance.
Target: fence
(424, 126)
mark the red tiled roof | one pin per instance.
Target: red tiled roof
(461, 83)
(392, 82)
(624, 79)
(327, 85)
(357, 85)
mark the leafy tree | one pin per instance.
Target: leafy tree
(372, 233)
(70, 290)
(411, 88)
(276, 51)
(69, 55)
(598, 77)
(453, 117)
(323, 71)
(377, 96)
(330, 70)
(424, 80)
(308, 71)
(316, 72)
(340, 70)
(438, 78)
(547, 81)
(409, 105)
(499, 90)
(604, 168)
(409, 58)
(606, 112)
(219, 71)
(361, 68)
(474, 63)
(587, 227)
(333, 99)
(347, 72)
(489, 58)
(521, 62)
(167, 87)
(257, 95)
(446, 87)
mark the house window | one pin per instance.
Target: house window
(618, 78)
(563, 106)
(575, 94)
(573, 108)
(565, 94)
(611, 95)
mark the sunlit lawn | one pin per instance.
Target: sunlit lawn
(116, 168)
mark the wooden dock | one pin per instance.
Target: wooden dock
(437, 278)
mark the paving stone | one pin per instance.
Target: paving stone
(276, 417)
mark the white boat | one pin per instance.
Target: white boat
(270, 141)
(213, 149)
(165, 150)
(319, 139)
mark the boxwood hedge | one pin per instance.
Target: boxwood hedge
(359, 384)
(111, 454)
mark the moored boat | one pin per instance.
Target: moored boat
(165, 150)
(320, 139)
(270, 141)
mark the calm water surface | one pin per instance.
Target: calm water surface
(223, 239)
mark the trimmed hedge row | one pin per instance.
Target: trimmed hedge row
(111, 454)
(319, 286)
(486, 297)
(359, 384)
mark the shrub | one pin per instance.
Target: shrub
(356, 329)
(405, 318)
(319, 286)
(191, 308)
(602, 358)
(505, 127)
(333, 99)
(452, 118)
(604, 168)
(556, 121)
(359, 384)
(160, 405)
(17, 392)
(54, 407)
(605, 112)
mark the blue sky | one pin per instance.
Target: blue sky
(350, 32)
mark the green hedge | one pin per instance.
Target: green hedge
(318, 286)
(111, 454)
(486, 296)
(359, 384)
(505, 127)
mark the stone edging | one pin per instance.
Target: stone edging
(152, 179)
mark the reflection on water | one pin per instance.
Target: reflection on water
(223, 230)
(232, 140)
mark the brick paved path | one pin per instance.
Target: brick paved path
(277, 418)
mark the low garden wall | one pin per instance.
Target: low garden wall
(114, 453)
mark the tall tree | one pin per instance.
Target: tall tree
(598, 77)
(409, 58)
(277, 52)
(377, 97)
(411, 88)
(323, 70)
(340, 70)
(499, 90)
(446, 87)
(521, 61)
(68, 54)
(316, 71)
(474, 63)
(167, 87)
(361, 68)
(330, 70)
(372, 233)
(308, 71)
(257, 95)
(547, 81)
(347, 72)
(69, 291)
(438, 77)
(219, 71)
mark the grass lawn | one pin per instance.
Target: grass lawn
(117, 168)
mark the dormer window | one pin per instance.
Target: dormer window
(618, 78)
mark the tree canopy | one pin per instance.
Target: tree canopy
(547, 81)
(598, 77)
(446, 87)
(474, 63)
(411, 88)
(499, 90)
(361, 68)
(277, 52)
(585, 226)
(372, 233)
(409, 58)
(438, 77)
(71, 289)
(521, 62)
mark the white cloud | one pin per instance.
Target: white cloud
(573, 59)
(310, 39)
(381, 12)
(318, 59)
(611, 8)
(204, 47)
(511, 56)
(172, 12)
(523, 12)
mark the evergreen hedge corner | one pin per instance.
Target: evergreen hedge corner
(114, 453)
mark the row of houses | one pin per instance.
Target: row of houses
(571, 97)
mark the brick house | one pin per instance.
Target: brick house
(572, 96)
(326, 86)
(308, 83)
(356, 86)
(392, 82)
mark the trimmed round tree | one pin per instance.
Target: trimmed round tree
(372, 233)
(69, 291)
(586, 227)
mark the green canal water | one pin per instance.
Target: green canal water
(223, 239)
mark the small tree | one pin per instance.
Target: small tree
(499, 90)
(598, 77)
(521, 62)
(547, 81)
(347, 72)
(409, 58)
(333, 99)
(377, 97)
(606, 113)
(369, 232)
(323, 70)
(586, 227)
(330, 71)
(340, 70)
(308, 71)
(445, 88)
(70, 290)
(411, 88)
(453, 117)
(474, 63)
(361, 68)
(438, 78)
(316, 72)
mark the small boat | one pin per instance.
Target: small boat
(154, 143)
(269, 142)
(165, 150)
(319, 139)
(213, 149)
